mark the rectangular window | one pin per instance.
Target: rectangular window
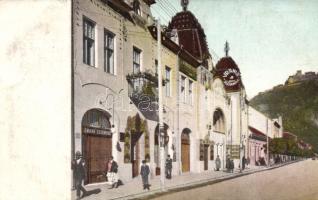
(89, 42)
(156, 67)
(167, 84)
(136, 60)
(109, 52)
(182, 89)
(190, 95)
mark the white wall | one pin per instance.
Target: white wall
(35, 100)
(258, 120)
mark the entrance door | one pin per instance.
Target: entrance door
(97, 151)
(185, 157)
(206, 158)
(185, 151)
(135, 153)
(136, 160)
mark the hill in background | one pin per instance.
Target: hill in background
(297, 103)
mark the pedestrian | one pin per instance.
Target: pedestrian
(112, 170)
(144, 172)
(168, 167)
(228, 161)
(79, 170)
(248, 161)
(217, 163)
(243, 162)
(232, 165)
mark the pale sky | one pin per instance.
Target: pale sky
(269, 39)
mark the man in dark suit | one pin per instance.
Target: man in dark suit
(79, 169)
(144, 172)
(168, 167)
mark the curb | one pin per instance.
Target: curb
(177, 188)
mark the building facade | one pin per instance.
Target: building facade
(115, 67)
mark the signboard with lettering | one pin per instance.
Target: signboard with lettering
(231, 77)
(234, 151)
(96, 131)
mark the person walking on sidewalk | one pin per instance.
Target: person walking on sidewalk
(144, 172)
(168, 167)
(243, 162)
(231, 166)
(217, 163)
(112, 170)
(79, 169)
(228, 163)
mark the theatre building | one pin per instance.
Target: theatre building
(115, 92)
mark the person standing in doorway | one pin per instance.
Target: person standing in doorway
(79, 169)
(168, 167)
(144, 172)
(112, 170)
(217, 163)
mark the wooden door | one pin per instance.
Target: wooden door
(136, 160)
(185, 152)
(185, 157)
(205, 157)
(97, 151)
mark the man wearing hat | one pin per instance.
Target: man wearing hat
(144, 172)
(79, 169)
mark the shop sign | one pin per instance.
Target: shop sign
(105, 132)
(234, 151)
(231, 77)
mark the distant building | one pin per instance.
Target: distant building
(300, 77)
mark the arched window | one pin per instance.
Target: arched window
(96, 119)
(218, 121)
(136, 7)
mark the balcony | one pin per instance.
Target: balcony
(143, 92)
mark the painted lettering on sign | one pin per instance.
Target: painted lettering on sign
(231, 77)
(97, 131)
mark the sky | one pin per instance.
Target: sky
(269, 39)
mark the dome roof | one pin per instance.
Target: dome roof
(224, 63)
(227, 70)
(191, 34)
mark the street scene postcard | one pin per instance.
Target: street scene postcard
(159, 99)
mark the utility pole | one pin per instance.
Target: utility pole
(241, 139)
(267, 146)
(161, 126)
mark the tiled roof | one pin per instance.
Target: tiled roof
(256, 134)
(191, 34)
(224, 64)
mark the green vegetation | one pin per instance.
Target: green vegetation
(297, 104)
(284, 146)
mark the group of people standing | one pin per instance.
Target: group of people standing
(111, 173)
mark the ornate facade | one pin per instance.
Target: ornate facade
(116, 92)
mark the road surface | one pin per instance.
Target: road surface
(297, 181)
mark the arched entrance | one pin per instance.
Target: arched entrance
(219, 121)
(157, 146)
(185, 149)
(97, 143)
(136, 145)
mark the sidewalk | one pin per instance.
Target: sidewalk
(134, 189)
